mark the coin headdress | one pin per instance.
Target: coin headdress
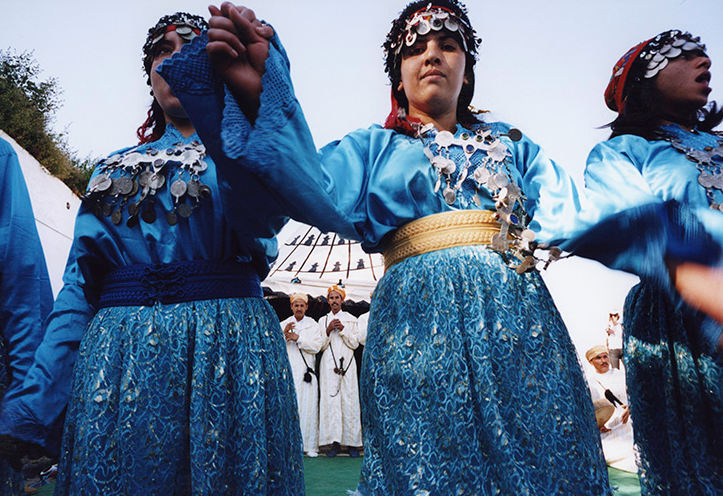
(646, 60)
(186, 25)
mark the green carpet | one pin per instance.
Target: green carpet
(333, 476)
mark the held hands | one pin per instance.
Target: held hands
(289, 333)
(626, 414)
(238, 45)
(334, 325)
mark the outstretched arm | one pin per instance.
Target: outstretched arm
(238, 46)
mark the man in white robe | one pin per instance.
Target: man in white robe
(304, 339)
(608, 383)
(339, 410)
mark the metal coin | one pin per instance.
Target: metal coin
(706, 180)
(133, 209)
(185, 210)
(135, 189)
(514, 134)
(144, 178)
(423, 27)
(183, 30)
(190, 156)
(480, 175)
(501, 180)
(178, 188)
(113, 159)
(204, 192)
(106, 209)
(117, 217)
(444, 138)
(125, 185)
(149, 215)
(100, 183)
(449, 195)
(499, 243)
(451, 24)
(171, 218)
(193, 189)
(133, 158)
(157, 181)
(200, 166)
(113, 190)
(132, 221)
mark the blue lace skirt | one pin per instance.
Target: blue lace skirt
(471, 385)
(11, 482)
(675, 389)
(180, 399)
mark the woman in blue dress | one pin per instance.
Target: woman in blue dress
(25, 295)
(181, 383)
(663, 150)
(470, 384)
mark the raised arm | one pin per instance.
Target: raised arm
(238, 46)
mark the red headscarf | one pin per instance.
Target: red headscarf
(615, 91)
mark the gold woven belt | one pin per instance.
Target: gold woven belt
(440, 231)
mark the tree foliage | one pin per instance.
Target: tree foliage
(27, 110)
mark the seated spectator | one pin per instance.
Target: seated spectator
(608, 384)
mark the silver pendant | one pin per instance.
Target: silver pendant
(178, 188)
(449, 195)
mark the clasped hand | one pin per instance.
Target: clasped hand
(238, 46)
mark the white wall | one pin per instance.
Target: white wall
(54, 206)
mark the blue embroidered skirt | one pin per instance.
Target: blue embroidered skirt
(183, 398)
(471, 385)
(675, 388)
(11, 482)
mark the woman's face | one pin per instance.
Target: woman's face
(684, 83)
(170, 44)
(432, 74)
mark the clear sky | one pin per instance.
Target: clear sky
(543, 67)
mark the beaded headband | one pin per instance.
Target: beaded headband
(431, 19)
(449, 15)
(187, 26)
(656, 52)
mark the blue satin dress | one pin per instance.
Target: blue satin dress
(674, 374)
(25, 294)
(193, 397)
(470, 383)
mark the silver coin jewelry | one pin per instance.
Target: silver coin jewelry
(706, 152)
(131, 180)
(491, 176)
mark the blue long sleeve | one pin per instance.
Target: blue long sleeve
(26, 297)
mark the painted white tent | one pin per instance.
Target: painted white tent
(54, 206)
(310, 262)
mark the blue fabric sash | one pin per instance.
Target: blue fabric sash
(144, 285)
